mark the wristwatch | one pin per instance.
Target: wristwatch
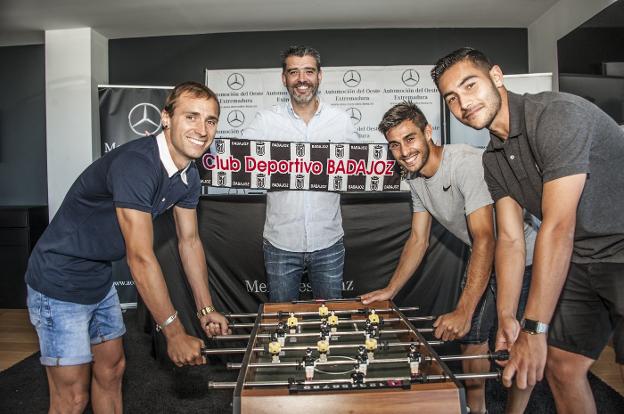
(205, 311)
(533, 327)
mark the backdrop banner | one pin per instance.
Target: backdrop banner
(266, 165)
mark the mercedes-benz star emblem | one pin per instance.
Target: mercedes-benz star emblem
(235, 81)
(236, 118)
(144, 119)
(351, 78)
(410, 77)
(355, 115)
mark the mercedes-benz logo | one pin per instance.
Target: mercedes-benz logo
(410, 77)
(355, 115)
(144, 119)
(351, 78)
(235, 81)
(236, 118)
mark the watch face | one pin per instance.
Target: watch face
(533, 327)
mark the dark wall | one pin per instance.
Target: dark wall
(168, 60)
(22, 126)
(584, 49)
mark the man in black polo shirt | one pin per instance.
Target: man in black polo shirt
(560, 157)
(107, 214)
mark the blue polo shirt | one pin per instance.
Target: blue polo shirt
(72, 260)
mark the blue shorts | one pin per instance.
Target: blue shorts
(67, 330)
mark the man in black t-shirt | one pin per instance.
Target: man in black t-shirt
(560, 157)
(107, 214)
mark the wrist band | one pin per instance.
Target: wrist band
(167, 322)
(205, 311)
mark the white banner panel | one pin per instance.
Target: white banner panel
(364, 92)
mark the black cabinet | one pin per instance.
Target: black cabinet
(20, 227)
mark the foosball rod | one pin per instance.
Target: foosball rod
(427, 378)
(340, 322)
(316, 334)
(497, 356)
(217, 351)
(310, 313)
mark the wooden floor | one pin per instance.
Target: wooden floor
(18, 340)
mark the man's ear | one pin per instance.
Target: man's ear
(165, 119)
(496, 74)
(428, 132)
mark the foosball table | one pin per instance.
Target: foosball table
(339, 356)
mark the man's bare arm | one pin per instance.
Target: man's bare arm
(551, 260)
(194, 264)
(136, 227)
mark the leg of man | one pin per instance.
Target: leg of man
(284, 271)
(517, 399)
(589, 310)
(105, 331)
(325, 271)
(69, 388)
(108, 368)
(63, 331)
(475, 342)
(475, 389)
(567, 376)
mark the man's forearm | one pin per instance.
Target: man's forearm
(150, 284)
(551, 260)
(478, 274)
(196, 270)
(510, 263)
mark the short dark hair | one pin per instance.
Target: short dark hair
(195, 89)
(475, 56)
(401, 112)
(301, 51)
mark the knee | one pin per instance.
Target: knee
(563, 370)
(73, 400)
(111, 373)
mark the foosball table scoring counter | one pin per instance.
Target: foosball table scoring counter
(340, 356)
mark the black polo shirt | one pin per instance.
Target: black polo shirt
(553, 135)
(72, 259)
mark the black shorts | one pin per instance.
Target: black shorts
(590, 309)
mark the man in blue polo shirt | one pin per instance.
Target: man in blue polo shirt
(107, 214)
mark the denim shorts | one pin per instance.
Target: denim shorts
(67, 330)
(485, 320)
(484, 317)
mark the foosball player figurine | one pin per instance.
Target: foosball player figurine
(371, 330)
(308, 363)
(362, 360)
(323, 348)
(371, 346)
(333, 322)
(281, 333)
(292, 326)
(275, 348)
(323, 311)
(373, 317)
(324, 329)
(414, 359)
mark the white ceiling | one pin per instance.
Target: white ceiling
(24, 21)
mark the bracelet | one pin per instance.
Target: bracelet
(167, 322)
(205, 311)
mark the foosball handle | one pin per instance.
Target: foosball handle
(502, 355)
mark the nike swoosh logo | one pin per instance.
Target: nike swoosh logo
(445, 188)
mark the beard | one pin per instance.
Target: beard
(492, 102)
(303, 99)
(415, 168)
